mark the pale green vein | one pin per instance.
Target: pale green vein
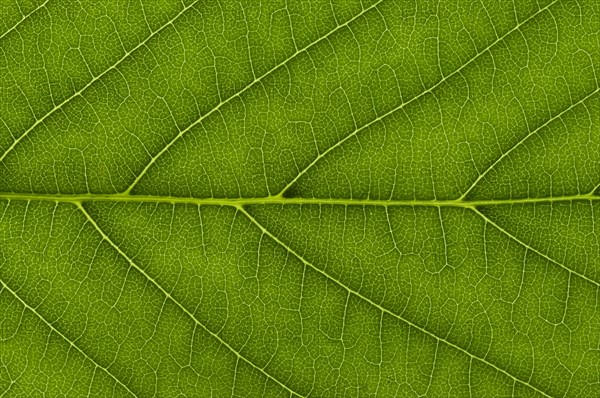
(521, 243)
(594, 189)
(278, 200)
(240, 92)
(95, 79)
(175, 301)
(72, 344)
(15, 26)
(525, 138)
(380, 307)
(402, 105)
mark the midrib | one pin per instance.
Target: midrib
(238, 202)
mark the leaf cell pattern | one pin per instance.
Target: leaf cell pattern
(300, 198)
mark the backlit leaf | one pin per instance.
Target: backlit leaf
(299, 198)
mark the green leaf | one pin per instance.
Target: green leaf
(300, 198)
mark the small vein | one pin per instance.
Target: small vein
(402, 105)
(522, 140)
(525, 245)
(15, 26)
(380, 307)
(239, 93)
(176, 302)
(95, 79)
(5, 286)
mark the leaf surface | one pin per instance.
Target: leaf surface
(307, 198)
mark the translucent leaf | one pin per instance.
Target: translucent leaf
(299, 198)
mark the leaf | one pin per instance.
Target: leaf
(285, 198)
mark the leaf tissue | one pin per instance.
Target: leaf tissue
(316, 198)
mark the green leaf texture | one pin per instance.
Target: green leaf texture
(317, 198)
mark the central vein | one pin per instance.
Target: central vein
(280, 200)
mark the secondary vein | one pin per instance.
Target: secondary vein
(242, 91)
(169, 296)
(411, 100)
(382, 308)
(16, 25)
(91, 82)
(64, 337)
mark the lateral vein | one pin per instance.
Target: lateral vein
(533, 249)
(416, 97)
(525, 138)
(15, 26)
(94, 79)
(72, 344)
(380, 307)
(106, 238)
(240, 92)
